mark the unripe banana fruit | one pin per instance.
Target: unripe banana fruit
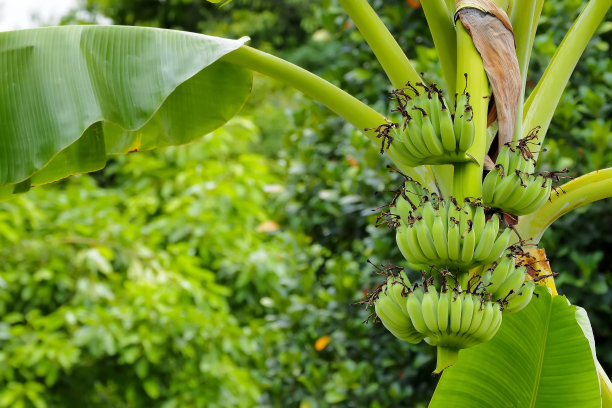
(505, 282)
(452, 320)
(426, 132)
(441, 233)
(512, 186)
(452, 312)
(390, 307)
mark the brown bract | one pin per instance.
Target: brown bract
(491, 31)
(538, 268)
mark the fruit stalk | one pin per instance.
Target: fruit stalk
(468, 175)
(446, 358)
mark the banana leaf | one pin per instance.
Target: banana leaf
(69, 96)
(541, 357)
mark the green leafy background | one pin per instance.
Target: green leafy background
(163, 279)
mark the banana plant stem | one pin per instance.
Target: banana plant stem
(468, 175)
(543, 101)
(440, 22)
(388, 52)
(524, 17)
(578, 192)
(445, 357)
(350, 108)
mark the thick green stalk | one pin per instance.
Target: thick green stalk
(388, 52)
(396, 65)
(354, 111)
(443, 174)
(524, 18)
(468, 175)
(450, 5)
(543, 101)
(578, 192)
(440, 22)
(446, 358)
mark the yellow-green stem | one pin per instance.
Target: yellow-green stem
(446, 358)
(541, 104)
(344, 104)
(468, 176)
(388, 52)
(397, 66)
(583, 190)
(440, 22)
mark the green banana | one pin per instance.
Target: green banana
(520, 198)
(501, 272)
(406, 140)
(416, 314)
(543, 196)
(434, 112)
(443, 212)
(511, 284)
(428, 214)
(489, 184)
(447, 132)
(440, 238)
(418, 292)
(505, 188)
(501, 243)
(478, 222)
(503, 158)
(467, 251)
(485, 242)
(430, 137)
(459, 113)
(467, 312)
(495, 220)
(514, 161)
(425, 240)
(478, 313)
(454, 242)
(409, 246)
(416, 138)
(395, 289)
(520, 301)
(467, 134)
(455, 312)
(444, 310)
(402, 208)
(486, 320)
(494, 327)
(429, 308)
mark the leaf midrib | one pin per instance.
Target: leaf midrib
(542, 353)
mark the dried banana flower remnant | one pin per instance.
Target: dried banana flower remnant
(427, 132)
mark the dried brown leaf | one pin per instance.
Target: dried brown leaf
(539, 269)
(493, 37)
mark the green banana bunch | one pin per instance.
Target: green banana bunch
(390, 307)
(429, 133)
(512, 186)
(439, 232)
(452, 319)
(505, 282)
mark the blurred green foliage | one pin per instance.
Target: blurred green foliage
(204, 275)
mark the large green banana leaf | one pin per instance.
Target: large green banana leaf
(71, 95)
(541, 357)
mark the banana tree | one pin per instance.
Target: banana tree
(469, 210)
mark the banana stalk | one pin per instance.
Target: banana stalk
(468, 176)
